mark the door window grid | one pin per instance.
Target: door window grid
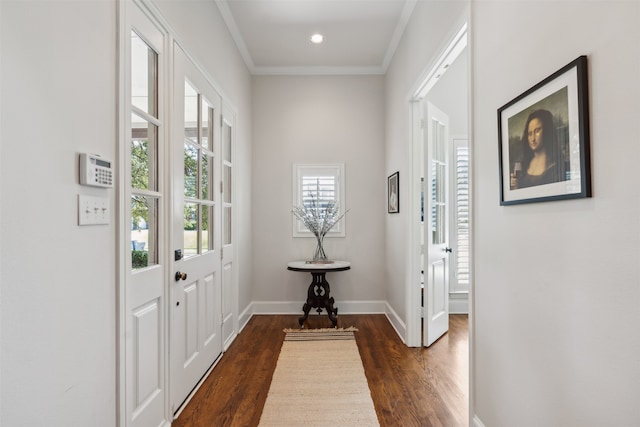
(227, 188)
(144, 140)
(198, 230)
(438, 198)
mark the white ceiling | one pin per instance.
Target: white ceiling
(273, 36)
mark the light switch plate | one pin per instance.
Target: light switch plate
(93, 210)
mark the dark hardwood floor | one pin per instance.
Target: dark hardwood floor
(410, 386)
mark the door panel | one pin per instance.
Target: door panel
(436, 218)
(196, 304)
(437, 298)
(211, 323)
(190, 322)
(146, 327)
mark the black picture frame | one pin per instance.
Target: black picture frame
(393, 193)
(537, 165)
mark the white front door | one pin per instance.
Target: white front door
(196, 290)
(436, 216)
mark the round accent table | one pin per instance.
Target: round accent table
(318, 294)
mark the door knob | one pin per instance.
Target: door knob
(448, 250)
(180, 276)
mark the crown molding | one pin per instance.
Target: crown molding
(227, 16)
(317, 71)
(407, 11)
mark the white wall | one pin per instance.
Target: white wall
(557, 284)
(318, 120)
(58, 280)
(451, 95)
(432, 25)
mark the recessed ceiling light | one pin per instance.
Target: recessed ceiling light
(317, 38)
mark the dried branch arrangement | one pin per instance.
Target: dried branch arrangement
(319, 220)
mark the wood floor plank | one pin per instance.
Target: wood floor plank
(409, 386)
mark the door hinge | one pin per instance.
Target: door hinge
(221, 187)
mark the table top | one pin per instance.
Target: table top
(319, 267)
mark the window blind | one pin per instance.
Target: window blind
(461, 220)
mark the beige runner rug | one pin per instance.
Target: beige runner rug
(319, 381)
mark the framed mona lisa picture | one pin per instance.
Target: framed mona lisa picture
(543, 137)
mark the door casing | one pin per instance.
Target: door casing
(428, 79)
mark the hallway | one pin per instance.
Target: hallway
(410, 386)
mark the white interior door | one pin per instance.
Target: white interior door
(196, 292)
(145, 271)
(436, 216)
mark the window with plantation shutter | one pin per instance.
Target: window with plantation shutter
(318, 189)
(319, 185)
(460, 279)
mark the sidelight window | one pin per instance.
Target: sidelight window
(145, 196)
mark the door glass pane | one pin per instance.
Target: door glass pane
(227, 184)
(143, 154)
(207, 124)
(207, 174)
(144, 62)
(226, 142)
(206, 231)
(191, 154)
(144, 231)
(438, 141)
(438, 184)
(226, 226)
(438, 233)
(191, 229)
(190, 113)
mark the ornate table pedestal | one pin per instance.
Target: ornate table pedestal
(318, 294)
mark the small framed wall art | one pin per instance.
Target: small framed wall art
(393, 193)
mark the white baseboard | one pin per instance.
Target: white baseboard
(295, 307)
(476, 422)
(244, 317)
(344, 307)
(459, 305)
(228, 341)
(397, 323)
